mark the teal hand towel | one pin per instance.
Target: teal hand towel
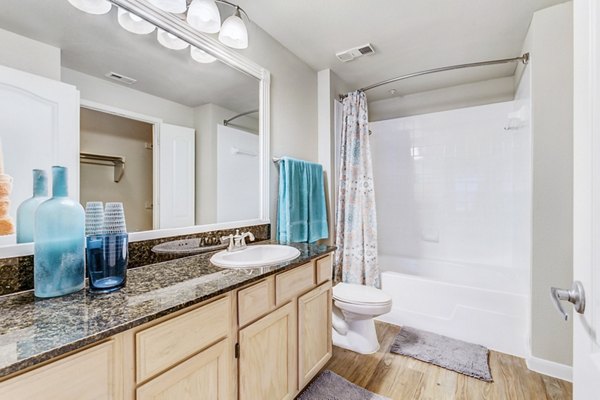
(302, 213)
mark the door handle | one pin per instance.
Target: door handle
(575, 295)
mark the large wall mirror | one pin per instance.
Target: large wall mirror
(169, 122)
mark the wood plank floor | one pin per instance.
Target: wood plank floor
(404, 378)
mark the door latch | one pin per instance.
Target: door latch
(575, 295)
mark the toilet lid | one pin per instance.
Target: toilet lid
(360, 294)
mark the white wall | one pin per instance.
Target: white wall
(116, 95)
(293, 103)
(329, 87)
(445, 187)
(550, 41)
(112, 135)
(450, 98)
(238, 175)
(22, 53)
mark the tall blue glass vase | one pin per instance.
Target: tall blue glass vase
(59, 255)
(27, 209)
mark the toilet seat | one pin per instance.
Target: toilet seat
(363, 310)
(360, 295)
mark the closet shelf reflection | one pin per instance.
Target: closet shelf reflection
(100, 159)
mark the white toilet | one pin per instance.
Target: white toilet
(354, 307)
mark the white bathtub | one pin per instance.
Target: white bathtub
(487, 305)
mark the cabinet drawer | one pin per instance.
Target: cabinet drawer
(256, 301)
(324, 269)
(294, 283)
(87, 375)
(164, 345)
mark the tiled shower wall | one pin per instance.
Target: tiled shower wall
(456, 185)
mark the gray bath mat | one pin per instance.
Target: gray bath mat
(462, 357)
(330, 386)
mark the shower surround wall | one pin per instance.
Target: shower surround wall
(453, 193)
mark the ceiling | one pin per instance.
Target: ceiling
(408, 36)
(96, 45)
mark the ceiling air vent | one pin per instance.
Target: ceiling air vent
(351, 54)
(121, 78)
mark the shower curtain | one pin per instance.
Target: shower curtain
(356, 220)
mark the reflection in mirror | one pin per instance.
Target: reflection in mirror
(173, 134)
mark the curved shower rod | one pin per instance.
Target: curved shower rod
(227, 121)
(523, 59)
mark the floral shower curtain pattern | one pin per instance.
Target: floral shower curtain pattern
(356, 219)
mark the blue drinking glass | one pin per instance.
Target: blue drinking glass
(107, 262)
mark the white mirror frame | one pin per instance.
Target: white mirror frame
(229, 57)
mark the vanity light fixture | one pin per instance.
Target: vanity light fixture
(233, 32)
(201, 56)
(134, 24)
(96, 7)
(172, 6)
(204, 16)
(171, 41)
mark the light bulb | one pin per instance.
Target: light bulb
(233, 32)
(172, 6)
(201, 56)
(171, 41)
(134, 24)
(204, 16)
(92, 6)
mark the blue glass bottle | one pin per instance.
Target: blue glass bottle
(27, 209)
(59, 230)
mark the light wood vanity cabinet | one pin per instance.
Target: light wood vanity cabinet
(263, 341)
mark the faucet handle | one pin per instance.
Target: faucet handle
(245, 235)
(226, 239)
(230, 240)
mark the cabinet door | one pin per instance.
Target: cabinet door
(314, 332)
(204, 376)
(87, 375)
(267, 365)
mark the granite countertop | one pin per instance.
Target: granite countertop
(35, 330)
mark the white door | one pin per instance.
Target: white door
(586, 343)
(175, 163)
(39, 127)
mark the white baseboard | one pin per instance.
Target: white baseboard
(550, 368)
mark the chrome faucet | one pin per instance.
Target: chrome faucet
(238, 241)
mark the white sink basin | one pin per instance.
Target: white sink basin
(255, 256)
